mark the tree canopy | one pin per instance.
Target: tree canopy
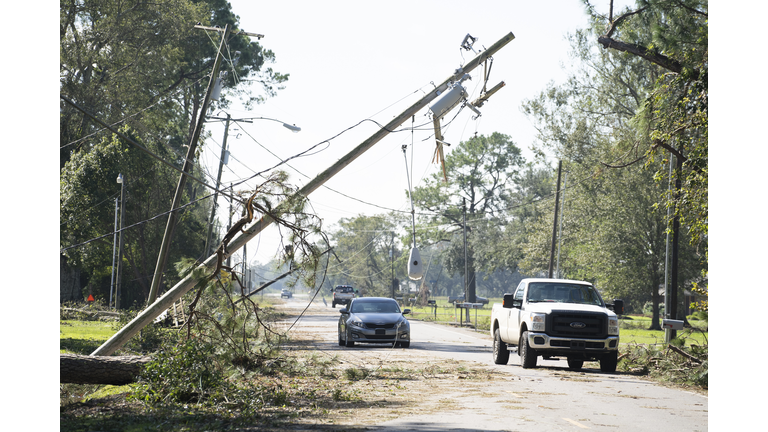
(143, 68)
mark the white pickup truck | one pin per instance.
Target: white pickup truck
(556, 318)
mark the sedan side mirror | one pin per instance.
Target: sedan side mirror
(344, 311)
(406, 311)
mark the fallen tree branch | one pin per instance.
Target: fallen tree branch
(684, 354)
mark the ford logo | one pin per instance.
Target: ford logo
(578, 325)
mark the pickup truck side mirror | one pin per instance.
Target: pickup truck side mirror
(508, 301)
(618, 306)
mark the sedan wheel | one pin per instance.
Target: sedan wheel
(348, 341)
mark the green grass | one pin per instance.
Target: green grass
(83, 337)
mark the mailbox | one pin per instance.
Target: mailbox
(672, 324)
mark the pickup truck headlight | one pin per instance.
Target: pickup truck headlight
(613, 326)
(538, 321)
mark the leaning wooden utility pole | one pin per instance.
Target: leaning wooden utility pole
(183, 286)
(165, 246)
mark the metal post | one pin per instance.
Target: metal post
(118, 283)
(114, 252)
(466, 264)
(667, 332)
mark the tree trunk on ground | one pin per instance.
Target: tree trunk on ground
(115, 370)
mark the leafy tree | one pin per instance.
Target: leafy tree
(673, 36)
(87, 194)
(142, 67)
(362, 246)
(480, 172)
(613, 234)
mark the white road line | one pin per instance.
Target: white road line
(575, 423)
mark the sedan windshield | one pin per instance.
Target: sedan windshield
(362, 306)
(563, 293)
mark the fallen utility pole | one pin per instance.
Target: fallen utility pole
(186, 284)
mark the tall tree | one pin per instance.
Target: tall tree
(141, 67)
(672, 35)
(367, 254)
(613, 233)
(480, 173)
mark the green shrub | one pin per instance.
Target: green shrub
(181, 373)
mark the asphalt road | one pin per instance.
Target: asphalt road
(547, 398)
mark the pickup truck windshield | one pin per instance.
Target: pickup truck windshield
(563, 293)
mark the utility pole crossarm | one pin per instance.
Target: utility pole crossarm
(219, 29)
(183, 286)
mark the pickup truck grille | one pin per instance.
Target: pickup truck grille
(586, 325)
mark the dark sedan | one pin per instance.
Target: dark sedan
(374, 320)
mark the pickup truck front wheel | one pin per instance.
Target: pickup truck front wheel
(575, 363)
(500, 351)
(608, 362)
(527, 354)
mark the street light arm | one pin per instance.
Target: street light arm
(290, 127)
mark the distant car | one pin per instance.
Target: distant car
(343, 294)
(285, 293)
(374, 320)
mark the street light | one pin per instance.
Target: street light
(228, 119)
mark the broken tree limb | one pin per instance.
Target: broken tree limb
(183, 286)
(684, 354)
(117, 370)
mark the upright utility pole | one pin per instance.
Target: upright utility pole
(554, 227)
(675, 247)
(560, 228)
(183, 286)
(165, 248)
(218, 182)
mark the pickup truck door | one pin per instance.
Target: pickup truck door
(513, 317)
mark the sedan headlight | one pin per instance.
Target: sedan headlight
(613, 326)
(538, 321)
(356, 323)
